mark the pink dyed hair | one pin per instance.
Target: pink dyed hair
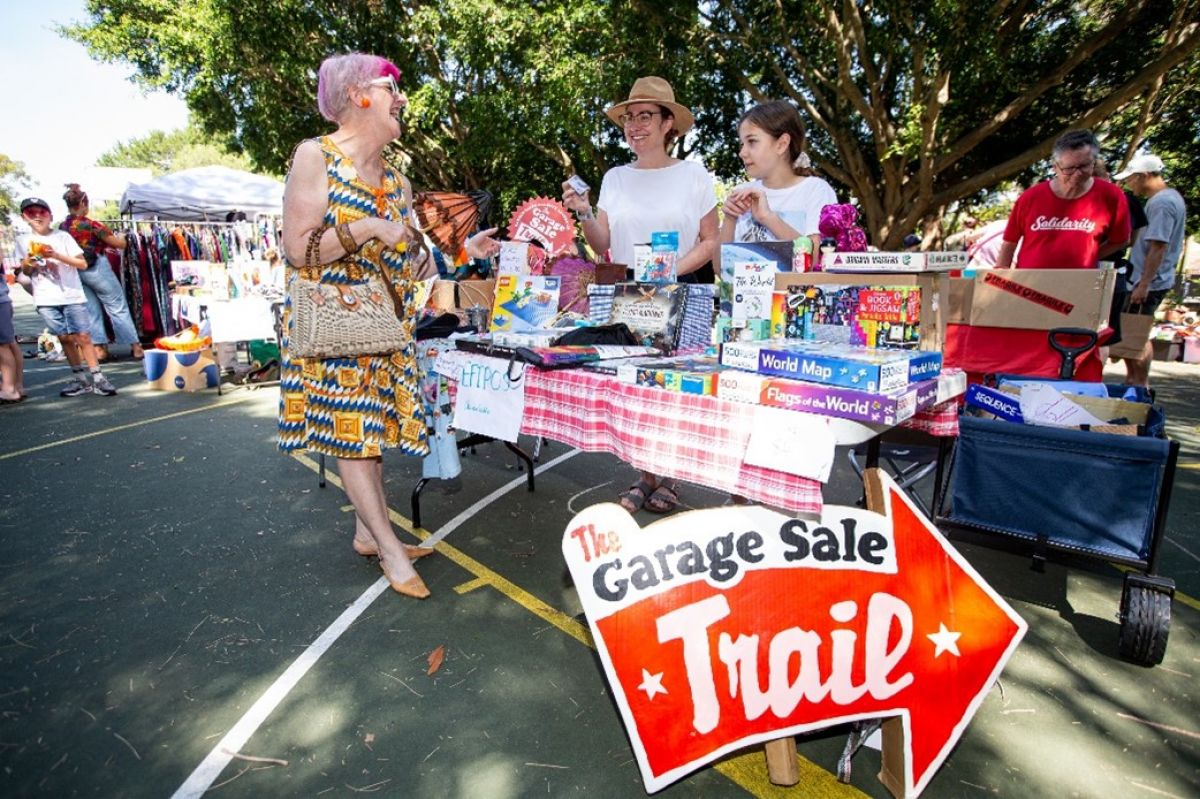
(340, 73)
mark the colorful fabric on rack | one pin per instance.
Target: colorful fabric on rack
(357, 407)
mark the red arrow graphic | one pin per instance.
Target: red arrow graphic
(728, 627)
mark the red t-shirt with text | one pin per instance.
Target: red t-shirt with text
(1066, 234)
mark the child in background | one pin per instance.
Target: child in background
(784, 200)
(53, 260)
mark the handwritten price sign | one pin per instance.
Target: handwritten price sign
(733, 626)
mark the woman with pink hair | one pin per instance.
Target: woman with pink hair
(346, 220)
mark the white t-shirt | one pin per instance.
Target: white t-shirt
(58, 283)
(639, 202)
(799, 205)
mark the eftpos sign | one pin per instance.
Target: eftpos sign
(733, 626)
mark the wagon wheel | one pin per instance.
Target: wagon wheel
(1145, 622)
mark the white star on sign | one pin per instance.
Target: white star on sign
(652, 684)
(945, 641)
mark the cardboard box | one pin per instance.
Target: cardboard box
(686, 375)
(1042, 299)
(738, 386)
(167, 370)
(476, 294)
(958, 300)
(750, 330)
(875, 371)
(893, 261)
(927, 323)
(845, 403)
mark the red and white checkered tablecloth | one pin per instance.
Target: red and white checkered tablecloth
(699, 439)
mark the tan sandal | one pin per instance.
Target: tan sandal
(368, 549)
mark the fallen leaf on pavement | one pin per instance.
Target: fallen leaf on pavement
(435, 659)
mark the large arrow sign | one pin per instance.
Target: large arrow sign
(733, 626)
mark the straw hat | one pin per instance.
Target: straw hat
(657, 91)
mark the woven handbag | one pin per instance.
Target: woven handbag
(338, 321)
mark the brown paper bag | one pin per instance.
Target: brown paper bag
(1135, 332)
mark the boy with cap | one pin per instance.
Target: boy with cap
(53, 260)
(1156, 252)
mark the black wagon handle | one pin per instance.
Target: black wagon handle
(1060, 341)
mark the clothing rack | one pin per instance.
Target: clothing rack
(145, 267)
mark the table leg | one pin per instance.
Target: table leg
(415, 502)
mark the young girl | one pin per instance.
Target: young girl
(784, 200)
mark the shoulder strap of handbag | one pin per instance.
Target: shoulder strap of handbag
(397, 303)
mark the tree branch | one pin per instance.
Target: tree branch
(965, 144)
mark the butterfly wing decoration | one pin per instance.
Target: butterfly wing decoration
(449, 218)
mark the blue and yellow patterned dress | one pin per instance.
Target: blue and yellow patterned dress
(356, 407)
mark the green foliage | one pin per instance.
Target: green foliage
(164, 152)
(506, 95)
(917, 106)
(1165, 123)
(912, 107)
(13, 181)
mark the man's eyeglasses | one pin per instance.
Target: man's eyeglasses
(1070, 170)
(388, 82)
(641, 117)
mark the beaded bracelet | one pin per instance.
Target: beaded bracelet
(312, 254)
(345, 237)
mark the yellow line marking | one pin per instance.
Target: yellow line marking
(1188, 466)
(747, 771)
(119, 428)
(471, 585)
(1190, 601)
(511, 590)
(346, 508)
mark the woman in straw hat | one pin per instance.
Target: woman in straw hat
(656, 192)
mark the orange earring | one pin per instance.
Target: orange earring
(366, 102)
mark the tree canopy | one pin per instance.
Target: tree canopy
(163, 152)
(13, 180)
(912, 107)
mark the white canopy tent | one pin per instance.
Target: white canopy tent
(206, 193)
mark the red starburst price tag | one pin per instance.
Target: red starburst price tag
(545, 221)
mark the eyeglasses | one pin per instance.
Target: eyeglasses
(1070, 170)
(641, 117)
(388, 82)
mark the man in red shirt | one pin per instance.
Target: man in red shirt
(1072, 221)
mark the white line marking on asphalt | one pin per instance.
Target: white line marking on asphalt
(1193, 555)
(571, 501)
(453, 524)
(211, 767)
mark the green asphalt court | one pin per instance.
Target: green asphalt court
(182, 614)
